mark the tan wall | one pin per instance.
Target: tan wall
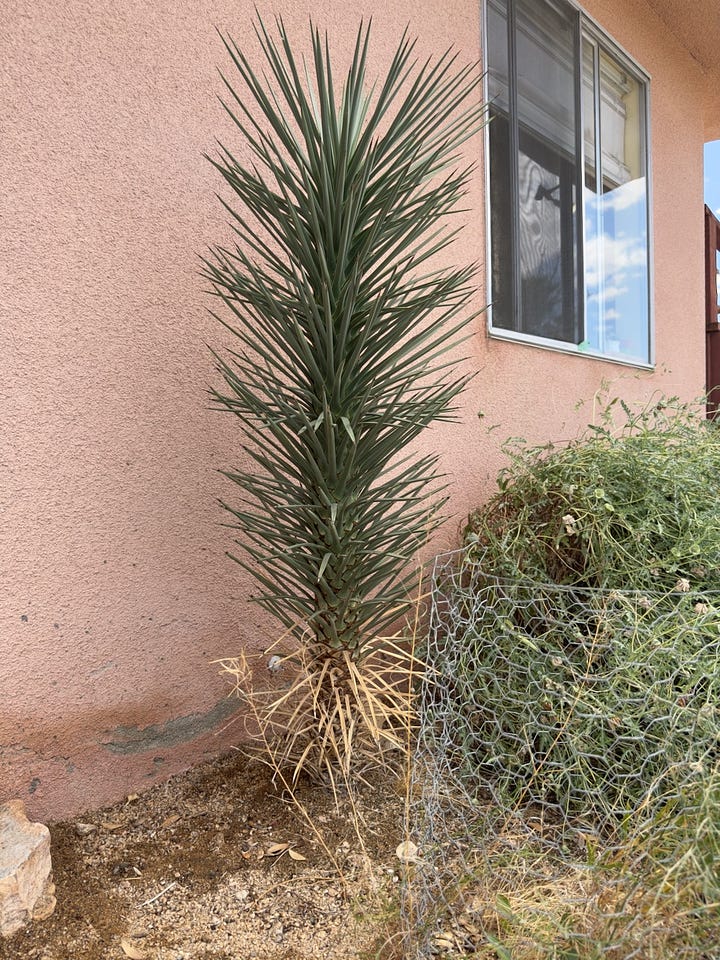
(115, 591)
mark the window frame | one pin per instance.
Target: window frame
(586, 27)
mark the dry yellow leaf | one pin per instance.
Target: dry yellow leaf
(294, 855)
(169, 821)
(112, 824)
(444, 943)
(275, 849)
(131, 951)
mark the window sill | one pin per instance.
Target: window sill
(558, 346)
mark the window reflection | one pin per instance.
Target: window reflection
(568, 182)
(616, 258)
(547, 171)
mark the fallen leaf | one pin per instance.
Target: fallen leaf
(275, 849)
(444, 942)
(130, 950)
(407, 851)
(169, 821)
(133, 796)
(112, 824)
(294, 855)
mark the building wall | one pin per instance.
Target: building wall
(116, 593)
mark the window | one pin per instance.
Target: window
(567, 159)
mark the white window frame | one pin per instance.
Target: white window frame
(595, 33)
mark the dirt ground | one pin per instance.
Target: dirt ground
(216, 864)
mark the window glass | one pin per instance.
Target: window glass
(592, 208)
(547, 174)
(501, 167)
(497, 44)
(623, 287)
(568, 122)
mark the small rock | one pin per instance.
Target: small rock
(26, 888)
(84, 829)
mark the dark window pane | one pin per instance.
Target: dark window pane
(501, 191)
(547, 241)
(500, 223)
(568, 182)
(547, 171)
(497, 50)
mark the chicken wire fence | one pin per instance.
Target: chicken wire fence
(565, 794)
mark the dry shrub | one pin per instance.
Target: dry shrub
(330, 717)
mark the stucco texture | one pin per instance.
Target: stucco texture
(116, 595)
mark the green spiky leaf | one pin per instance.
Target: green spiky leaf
(344, 326)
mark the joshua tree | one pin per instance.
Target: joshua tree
(343, 327)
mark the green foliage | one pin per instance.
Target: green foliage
(571, 715)
(630, 506)
(343, 326)
(590, 673)
(569, 735)
(596, 703)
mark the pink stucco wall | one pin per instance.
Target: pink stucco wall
(115, 591)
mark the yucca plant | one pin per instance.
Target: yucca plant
(343, 327)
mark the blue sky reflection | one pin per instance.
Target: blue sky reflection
(616, 271)
(712, 176)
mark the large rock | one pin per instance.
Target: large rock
(26, 888)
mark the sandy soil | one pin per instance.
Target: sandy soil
(216, 864)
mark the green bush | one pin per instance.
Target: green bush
(596, 702)
(588, 674)
(631, 506)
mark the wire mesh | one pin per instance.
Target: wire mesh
(565, 796)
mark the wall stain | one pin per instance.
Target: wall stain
(127, 740)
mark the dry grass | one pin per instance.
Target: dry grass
(330, 716)
(347, 724)
(536, 909)
(513, 890)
